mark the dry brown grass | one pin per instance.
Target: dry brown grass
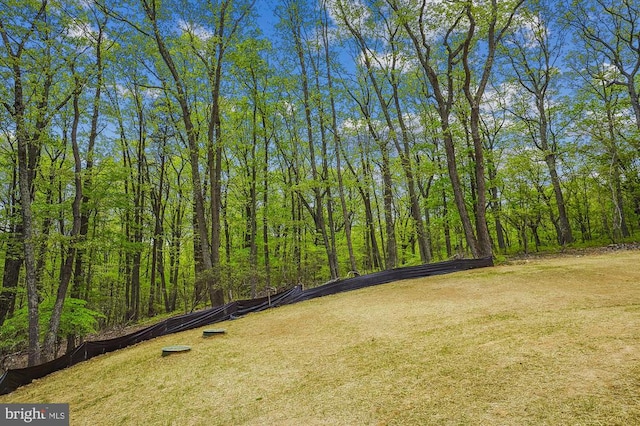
(551, 341)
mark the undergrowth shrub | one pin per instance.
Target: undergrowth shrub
(76, 320)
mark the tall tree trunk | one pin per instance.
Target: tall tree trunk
(373, 252)
(474, 99)
(565, 236)
(138, 225)
(532, 61)
(446, 227)
(49, 345)
(150, 8)
(28, 139)
(391, 260)
(444, 97)
(14, 258)
(177, 217)
(214, 155)
(80, 278)
(317, 211)
(391, 251)
(225, 28)
(414, 202)
(251, 206)
(458, 192)
(265, 205)
(494, 203)
(158, 238)
(482, 230)
(332, 251)
(47, 221)
(444, 94)
(29, 249)
(621, 229)
(337, 144)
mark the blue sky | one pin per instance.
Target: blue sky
(267, 18)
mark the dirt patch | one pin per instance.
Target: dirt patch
(20, 359)
(564, 252)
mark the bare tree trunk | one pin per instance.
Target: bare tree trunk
(565, 235)
(28, 139)
(474, 100)
(444, 93)
(391, 260)
(225, 28)
(81, 279)
(444, 97)
(29, 249)
(175, 245)
(14, 257)
(49, 345)
(79, 275)
(391, 250)
(265, 204)
(208, 253)
(337, 144)
(251, 202)
(447, 227)
(495, 207)
(536, 80)
(373, 252)
(317, 211)
(158, 238)
(414, 202)
(332, 254)
(619, 217)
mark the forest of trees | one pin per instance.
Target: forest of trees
(159, 156)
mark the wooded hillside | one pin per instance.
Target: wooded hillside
(159, 156)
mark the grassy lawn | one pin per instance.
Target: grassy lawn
(553, 341)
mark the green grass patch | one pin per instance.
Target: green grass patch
(549, 341)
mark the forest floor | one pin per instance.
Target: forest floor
(582, 251)
(538, 340)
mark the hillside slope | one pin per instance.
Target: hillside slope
(551, 341)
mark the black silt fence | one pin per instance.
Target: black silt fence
(14, 378)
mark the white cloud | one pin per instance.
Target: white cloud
(195, 30)
(153, 93)
(86, 4)
(81, 31)
(531, 30)
(414, 123)
(352, 126)
(122, 89)
(609, 73)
